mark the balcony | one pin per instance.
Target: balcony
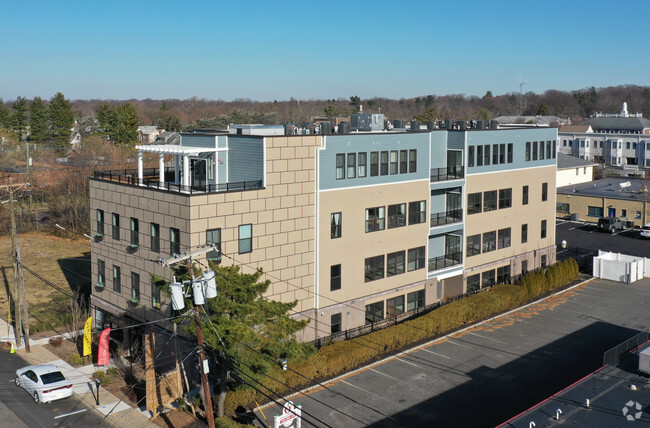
(448, 173)
(445, 261)
(447, 217)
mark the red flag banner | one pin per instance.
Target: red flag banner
(103, 354)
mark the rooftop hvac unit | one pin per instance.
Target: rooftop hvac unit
(176, 290)
(398, 123)
(461, 124)
(431, 125)
(415, 125)
(210, 284)
(344, 128)
(480, 124)
(644, 361)
(494, 124)
(289, 129)
(447, 123)
(326, 128)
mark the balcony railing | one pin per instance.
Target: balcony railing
(445, 261)
(447, 217)
(151, 179)
(448, 173)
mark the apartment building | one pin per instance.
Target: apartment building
(355, 227)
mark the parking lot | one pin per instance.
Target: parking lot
(585, 235)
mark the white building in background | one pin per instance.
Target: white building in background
(573, 170)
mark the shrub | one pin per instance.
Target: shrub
(113, 371)
(76, 360)
(103, 377)
(56, 341)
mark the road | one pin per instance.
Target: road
(18, 410)
(491, 372)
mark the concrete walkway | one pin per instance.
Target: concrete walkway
(120, 414)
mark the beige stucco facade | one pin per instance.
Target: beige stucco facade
(637, 211)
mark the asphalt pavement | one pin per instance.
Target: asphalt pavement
(585, 235)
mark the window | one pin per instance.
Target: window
(336, 225)
(548, 150)
(486, 154)
(544, 192)
(524, 233)
(479, 155)
(510, 152)
(594, 211)
(340, 166)
(413, 160)
(473, 283)
(403, 161)
(637, 215)
(503, 274)
(527, 151)
(524, 195)
(394, 306)
(543, 234)
(504, 238)
(155, 237)
(488, 279)
(374, 164)
(245, 238)
(362, 164)
(374, 312)
(489, 241)
(474, 203)
(352, 165)
(135, 234)
(375, 219)
(155, 295)
(490, 200)
(135, 287)
(623, 213)
(100, 222)
(495, 154)
(396, 215)
(117, 283)
(174, 241)
(502, 153)
(534, 150)
(416, 259)
(417, 212)
(374, 268)
(395, 263)
(541, 150)
(101, 273)
(384, 163)
(470, 156)
(415, 300)
(393, 162)
(213, 237)
(505, 198)
(335, 323)
(544, 262)
(335, 277)
(473, 245)
(116, 227)
(524, 267)
(562, 207)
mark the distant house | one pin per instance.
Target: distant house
(148, 134)
(573, 170)
(535, 121)
(168, 137)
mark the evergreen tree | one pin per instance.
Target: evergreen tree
(38, 120)
(105, 115)
(5, 116)
(167, 120)
(61, 118)
(19, 117)
(125, 124)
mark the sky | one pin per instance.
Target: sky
(278, 50)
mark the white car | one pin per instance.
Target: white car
(645, 231)
(43, 382)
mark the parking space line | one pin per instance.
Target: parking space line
(459, 344)
(435, 353)
(408, 362)
(384, 374)
(70, 414)
(485, 337)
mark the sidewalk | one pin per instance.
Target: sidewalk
(120, 413)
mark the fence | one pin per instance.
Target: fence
(449, 173)
(613, 356)
(583, 256)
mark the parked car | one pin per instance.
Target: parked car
(610, 224)
(645, 231)
(43, 382)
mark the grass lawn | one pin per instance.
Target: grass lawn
(63, 262)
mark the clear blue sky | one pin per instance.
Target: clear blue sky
(275, 50)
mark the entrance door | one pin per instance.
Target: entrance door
(199, 172)
(452, 247)
(611, 212)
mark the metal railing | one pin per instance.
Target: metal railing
(447, 217)
(448, 173)
(445, 261)
(613, 355)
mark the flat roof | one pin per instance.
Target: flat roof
(609, 188)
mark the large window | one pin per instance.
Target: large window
(403, 161)
(510, 153)
(489, 241)
(100, 222)
(394, 162)
(470, 156)
(396, 215)
(417, 212)
(101, 273)
(117, 280)
(503, 274)
(505, 198)
(474, 203)
(374, 268)
(488, 279)
(245, 238)
(473, 283)
(116, 227)
(352, 165)
(524, 233)
(595, 211)
(340, 166)
(524, 195)
(502, 153)
(495, 154)
(544, 192)
(135, 287)
(335, 323)
(335, 277)
(362, 164)
(155, 237)
(490, 200)
(394, 306)
(527, 151)
(413, 160)
(543, 231)
(155, 295)
(213, 237)
(375, 219)
(374, 312)
(479, 155)
(486, 154)
(415, 300)
(534, 150)
(374, 164)
(416, 258)
(174, 241)
(135, 232)
(473, 245)
(336, 231)
(395, 263)
(504, 238)
(383, 163)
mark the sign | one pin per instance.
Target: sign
(103, 355)
(88, 337)
(290, 414)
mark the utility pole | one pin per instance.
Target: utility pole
(20, 294)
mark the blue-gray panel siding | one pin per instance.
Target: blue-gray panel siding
(456, 140)
(518, 138)
(438, 149)
(245, 159)
(356, 143)
(438, 201)
(198, 140)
